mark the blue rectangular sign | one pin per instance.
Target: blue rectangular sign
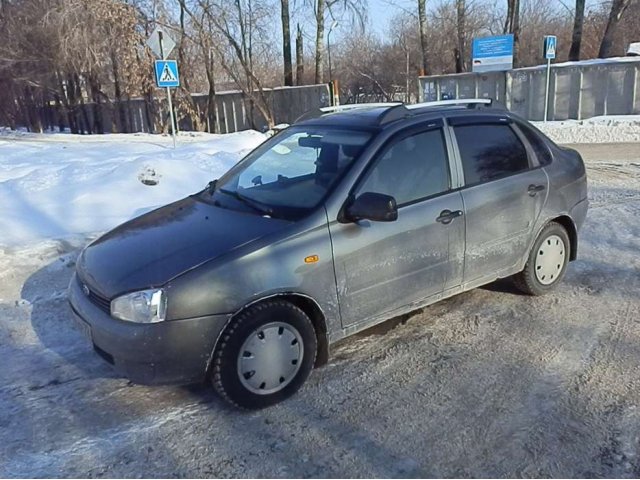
(492, 53)
(167, 73)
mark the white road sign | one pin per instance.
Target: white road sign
(159, 38)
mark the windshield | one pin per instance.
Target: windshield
(291, 173)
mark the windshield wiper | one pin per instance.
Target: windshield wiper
(251, 203)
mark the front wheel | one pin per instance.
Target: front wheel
(547, 262)
(265, 355)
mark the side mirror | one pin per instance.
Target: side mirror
(373, 206)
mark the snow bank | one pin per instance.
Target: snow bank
(61, 185)
(606, 129)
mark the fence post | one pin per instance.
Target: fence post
(233, 112)
(606, 93)
(580, 80)
(226, 120)
(507, 90)
(634, 95)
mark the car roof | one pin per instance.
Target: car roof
(378, 115)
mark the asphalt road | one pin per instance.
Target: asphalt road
(490, 383)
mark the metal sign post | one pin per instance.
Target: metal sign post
(549, 48)
(173, 122)
(167, 76)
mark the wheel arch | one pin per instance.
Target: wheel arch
(569, 225)
(305, 303)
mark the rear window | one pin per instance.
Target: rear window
(489, 152)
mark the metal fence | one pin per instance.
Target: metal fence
(578, 90)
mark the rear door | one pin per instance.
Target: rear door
(384, 266)
(503, 194)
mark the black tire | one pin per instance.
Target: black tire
(527, 280)
(225, 374)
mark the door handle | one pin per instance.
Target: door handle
(534, 189)
(447, 216)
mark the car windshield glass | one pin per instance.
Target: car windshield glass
(291, 173)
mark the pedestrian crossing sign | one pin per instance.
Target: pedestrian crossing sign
(167, 73)
(550, 44)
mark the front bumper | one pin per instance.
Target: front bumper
(173, 351)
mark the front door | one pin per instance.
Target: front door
(382, 267)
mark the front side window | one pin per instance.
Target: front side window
(291, 173)
(410, 169)
(489, 152)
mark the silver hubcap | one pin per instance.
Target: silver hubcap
(550, 259)
(270, 357)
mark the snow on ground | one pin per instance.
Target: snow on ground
(60, 185)
(605, 129)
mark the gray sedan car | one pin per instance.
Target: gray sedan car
(341, 221)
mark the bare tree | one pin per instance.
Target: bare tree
(615, 15)
(354, 10)
(286, 43)
(576, 37)
(320, 14)
(422, 20)
(186, 100)
(512, 25)
(299, 57)
(461, 49)
(236, 25)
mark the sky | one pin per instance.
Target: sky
(381, 12)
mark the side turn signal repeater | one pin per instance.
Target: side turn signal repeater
(311, 259)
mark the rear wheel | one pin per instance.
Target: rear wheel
(265, 355)
(547, 261)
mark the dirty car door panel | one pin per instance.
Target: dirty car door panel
(503, 196)
(383, 266)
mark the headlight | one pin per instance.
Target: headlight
(145, 306)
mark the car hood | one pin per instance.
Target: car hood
(150, 250)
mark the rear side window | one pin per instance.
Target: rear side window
(539, 146)
(411, 169)
(489, 152)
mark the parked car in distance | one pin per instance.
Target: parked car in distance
(347, 218)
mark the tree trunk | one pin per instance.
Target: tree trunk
(422, 18)
(94, 87)
(71, 105)
(576, 37)
(617, 9)
(299, 58)
(185, 86)
(512, 25)
(286, 43)
(121, 126)
(85, 122)
(320, 42)
(211, 96)
(461, 49)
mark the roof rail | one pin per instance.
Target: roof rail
(469, 102)
(318, 112)
(397, 110)
(353, 106)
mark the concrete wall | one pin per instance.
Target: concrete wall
(578, 90)
(234, 112)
